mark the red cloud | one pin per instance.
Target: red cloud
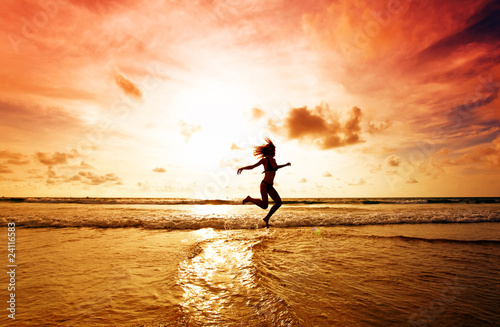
(128, 87)
(57, 158)
(13, 158)
(488, 155)
(5, 170)
(393, 161)
(104, 7)
(93, 179)
(301, 122)
(483, 157)
(84, 177)
(257, 113)
(322, 127)
(378, 127)
(234, 146)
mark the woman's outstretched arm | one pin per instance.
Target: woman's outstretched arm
(249, 167)
(281, 166)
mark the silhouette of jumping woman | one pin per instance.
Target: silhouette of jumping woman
(266, 152)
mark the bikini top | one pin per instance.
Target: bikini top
(270, 166)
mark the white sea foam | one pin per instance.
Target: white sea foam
(295, 214)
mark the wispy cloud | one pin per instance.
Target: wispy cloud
(360, 182)
(486, 156)
(257, 113)
(30, 122)
(5, 170)
(234, 146)
(188, 129)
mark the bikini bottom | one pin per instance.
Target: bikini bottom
(268, 186)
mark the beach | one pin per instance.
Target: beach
(141, 141)
(363, 262)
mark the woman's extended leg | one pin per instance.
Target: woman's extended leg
(277, 203)
(263, 193)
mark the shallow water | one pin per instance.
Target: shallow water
(396, 275)
(324, 263)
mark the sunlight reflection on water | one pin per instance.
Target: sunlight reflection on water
(219, 283)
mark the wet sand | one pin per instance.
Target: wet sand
(402, 275)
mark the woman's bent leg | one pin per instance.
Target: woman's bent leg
(263, 203)
(277, 203)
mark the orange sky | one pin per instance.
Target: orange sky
(166, 98)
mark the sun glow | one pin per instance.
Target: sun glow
(217, 109)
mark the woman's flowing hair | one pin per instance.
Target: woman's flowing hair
(265, 150)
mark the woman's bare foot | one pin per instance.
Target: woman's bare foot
(247, 199)
(266, 220)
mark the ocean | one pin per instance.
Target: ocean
(187, 262)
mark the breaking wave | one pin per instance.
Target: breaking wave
(291, 201)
